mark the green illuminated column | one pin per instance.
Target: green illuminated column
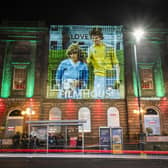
(31, 73)
(159, 82)
(7, 73)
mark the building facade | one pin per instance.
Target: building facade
(28, 60)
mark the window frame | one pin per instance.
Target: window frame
(23, 67)
(151, 79)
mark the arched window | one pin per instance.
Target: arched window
(15, 113)
(14, 123)
(55, 114)
(84, 114)
(151, 111)
(113, 119)
(152, 122)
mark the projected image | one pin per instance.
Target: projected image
(86, 62)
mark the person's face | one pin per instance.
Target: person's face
(96, 39)
(74, 56)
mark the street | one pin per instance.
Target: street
(82, 161)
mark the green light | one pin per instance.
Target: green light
(32, 41)
(22, 36)
(31, 75)
(30, 82)
(25, 28)
(6, 85)
(7, 73)
(18, 63)
(159, 82)
(6, 77)
(25, 31)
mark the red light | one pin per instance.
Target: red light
(70, 109)
(69, 100)
(164, 98)
(2, 109)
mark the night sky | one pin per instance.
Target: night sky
(119, 12)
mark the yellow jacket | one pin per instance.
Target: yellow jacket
(103, 58)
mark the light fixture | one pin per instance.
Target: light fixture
(23, 112)
(138, 34)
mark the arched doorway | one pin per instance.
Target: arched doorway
(14, 123)
(152, 121)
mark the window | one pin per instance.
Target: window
(146, 79)
(19, 79)
(55, 114)
(113, 119)
(151, 111)
(15, 113)
(53, 45)
(84, 114)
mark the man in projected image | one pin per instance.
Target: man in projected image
(72, 73)
(106, 66)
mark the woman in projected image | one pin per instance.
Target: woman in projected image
(72, 73)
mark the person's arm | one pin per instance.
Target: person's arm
(85, 76)
(117, 69)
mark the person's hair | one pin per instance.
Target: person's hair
(75, 48)
(96, 32)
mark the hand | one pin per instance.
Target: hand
(76, 83)
(116, 85)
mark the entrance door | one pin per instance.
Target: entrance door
(14, 123)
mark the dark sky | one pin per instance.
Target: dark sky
(111, 12)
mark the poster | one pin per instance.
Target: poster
(86, 62)
(117, 140)
(117, 137)
(104, 138)
(39, 131)
(73, 142)
(152, 122)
